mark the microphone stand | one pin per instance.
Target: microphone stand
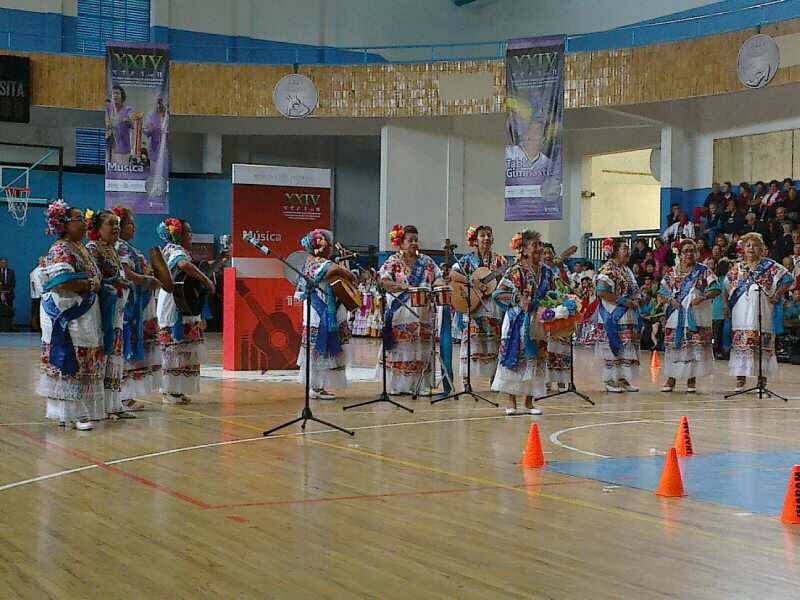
(571, 389)
(383, 396)
(468, 391)
(306, 414)
(762, 386)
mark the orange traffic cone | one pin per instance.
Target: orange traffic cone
(533, 458)
(683, 439)
(791, 502)
(671, 483)
(655, 361)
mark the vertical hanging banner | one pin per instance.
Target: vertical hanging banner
(535, 105)
(277, 206)
(137, 127)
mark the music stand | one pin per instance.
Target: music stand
(383, 396)
(467, 391)
(761, 387)
(571, 389)
(306, 414)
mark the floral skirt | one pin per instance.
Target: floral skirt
(527, 377)
(484, 345)
(181, 359)
(73, 397)
(325, 371)
(559, 359)
(406, 361)
(143, 377)
(743, 361)
(625, 365)
(694, 357)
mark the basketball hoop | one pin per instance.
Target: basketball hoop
(17, 199)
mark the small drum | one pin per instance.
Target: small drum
(442, 295)
(419, 296)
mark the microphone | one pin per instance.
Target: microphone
(257, 244)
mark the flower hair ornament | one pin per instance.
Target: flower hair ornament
(56, 216)
(170, 230)
(516, 242)
(608, 247)
(396, 235)
(315, 241)
(472, 235)
(92, 229)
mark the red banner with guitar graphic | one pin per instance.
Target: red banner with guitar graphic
(277, 206)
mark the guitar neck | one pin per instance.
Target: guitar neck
(258, 312)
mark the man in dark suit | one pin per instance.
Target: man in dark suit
(7, 282)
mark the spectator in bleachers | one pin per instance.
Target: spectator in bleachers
(792, 205)
(773, 194)
(638, 251)
(713, 223)
(714, 196)
(674, 211)
(680, 229)
(703, 251)
(745, 194)
(733, 218)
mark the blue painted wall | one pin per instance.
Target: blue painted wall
(204, 201)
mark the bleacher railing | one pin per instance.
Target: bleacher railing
(592, 246)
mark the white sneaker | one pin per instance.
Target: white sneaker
(613, 388)
(322, 395)
(83, 425)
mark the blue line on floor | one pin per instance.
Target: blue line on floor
(752, 481)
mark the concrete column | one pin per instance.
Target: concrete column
(674, 169)
(455, 190)
(212, 153)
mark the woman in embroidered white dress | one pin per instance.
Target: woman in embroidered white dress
(486, 322)
(523, 350)
(618, 326)
(329, 328)
(103, 232)
(142, 354)
(72, 338)
(180, 336)
(407, 336)
(743, 281)
(559, 356)
(688, 289)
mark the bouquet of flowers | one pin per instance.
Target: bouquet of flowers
(559, 311)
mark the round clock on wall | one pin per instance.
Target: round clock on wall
(295, 96)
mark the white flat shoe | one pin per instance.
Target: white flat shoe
(629, 388)
(174, 400)
(321, 395)
(691, 390)
(533, 411)
(667, 388)
(83, 425)
(134, 406)
(613, 388)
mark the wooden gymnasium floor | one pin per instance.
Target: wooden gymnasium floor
(193, 503)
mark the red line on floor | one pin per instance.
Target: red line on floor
(393, 495)
(77, 454)
(237, 519)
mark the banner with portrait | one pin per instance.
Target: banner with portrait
(137, 127)
(535, 107)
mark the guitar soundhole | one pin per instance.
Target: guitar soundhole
(279, 340)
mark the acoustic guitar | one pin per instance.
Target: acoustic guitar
(342, 288)
(485, 276)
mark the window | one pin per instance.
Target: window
(90, 146)
(100, 21)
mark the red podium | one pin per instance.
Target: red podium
(262, 321)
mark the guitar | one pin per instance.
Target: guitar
(342, 288)
(489, 278)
